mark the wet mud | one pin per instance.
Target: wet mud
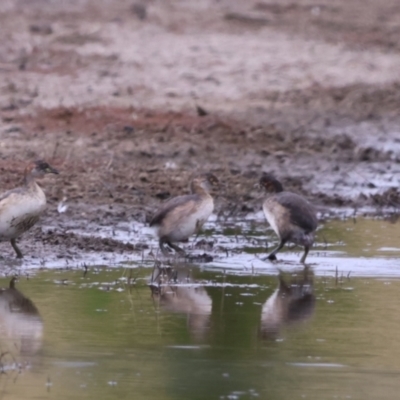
(129, 101)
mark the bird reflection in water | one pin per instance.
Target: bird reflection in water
(21, 327)
(182, 298)
(293, 302)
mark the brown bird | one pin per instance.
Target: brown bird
(182, 216)
(21, 324)
(21, 208)
(291, 216)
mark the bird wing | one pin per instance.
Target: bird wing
(302, 213)
(185, 203)
(11, 197)
(11, 192)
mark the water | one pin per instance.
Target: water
(361, 247)
(215, 333)
(103, 339)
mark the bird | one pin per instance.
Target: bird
(21, 323)
(16, 301)
(291, 303)
(191, 300)
(182, 216)
(290, 215)
(21, 208)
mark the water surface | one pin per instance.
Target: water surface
(211, 336)
(356, 246)
(217, 330)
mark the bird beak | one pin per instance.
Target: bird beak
(52, 170)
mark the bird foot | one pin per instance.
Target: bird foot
(271, 257)
(201, 258)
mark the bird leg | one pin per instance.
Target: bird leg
(164, 249)
(177, 249)
(306, 250)
(272, 255)
(16, 248)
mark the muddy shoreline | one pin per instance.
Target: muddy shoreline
(312, 96)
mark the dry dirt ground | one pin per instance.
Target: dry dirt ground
(129, 99)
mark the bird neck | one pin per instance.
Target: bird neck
(12, 283)
(30, 180)
(198, 188)
(29, 177)
(277, 186)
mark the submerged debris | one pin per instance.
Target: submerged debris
(389, 198)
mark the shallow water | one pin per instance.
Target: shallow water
(356, 246)
(229, 337)
(218, 330)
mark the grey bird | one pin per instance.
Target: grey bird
(182, 216)
(291, 303)
(290, 215)
(21, 208)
